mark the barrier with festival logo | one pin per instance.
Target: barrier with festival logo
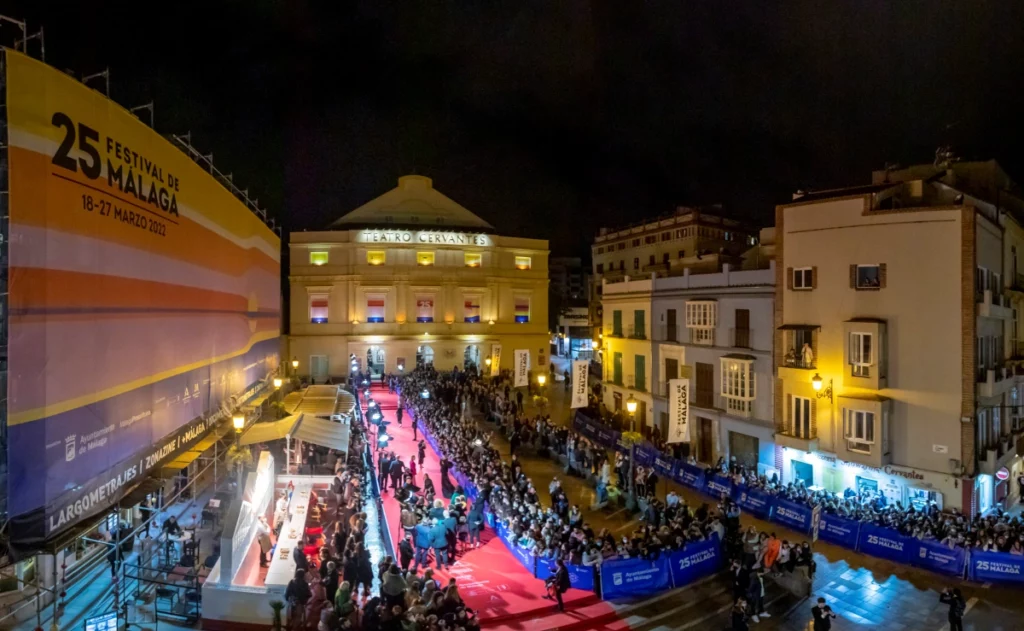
(756, 502)
(718, 485)
(690, 475)
(792, 515)
(634, 577)
(842, 532)
(936, 557)
(996, 567)
(884, 543)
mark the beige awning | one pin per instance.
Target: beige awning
(304, 427)
(274, 430)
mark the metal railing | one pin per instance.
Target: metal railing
(794, 359)
(741, 338)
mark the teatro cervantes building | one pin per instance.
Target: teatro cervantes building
(412, 277)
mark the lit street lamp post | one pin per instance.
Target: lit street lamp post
(631, 494)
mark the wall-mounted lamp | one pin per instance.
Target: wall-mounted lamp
(817, 382)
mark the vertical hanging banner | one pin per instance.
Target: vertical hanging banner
(495, 360)
(679, 417)
(522, 368)
(580, 370)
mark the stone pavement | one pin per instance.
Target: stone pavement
(861, 589)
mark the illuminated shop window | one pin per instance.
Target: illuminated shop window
(318, 308)
(522, 309)
(318, 258)
(473, 259)
(375, 307)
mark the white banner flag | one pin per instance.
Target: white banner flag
(522, 368)
(580, 370)
(679, 411)
(495, 360)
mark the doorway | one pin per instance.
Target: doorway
(744, 449)
(803, 472)
(705, 386)
(375, 360)
(424, 356)
(318, 369)
(705, 438)
(471, 358)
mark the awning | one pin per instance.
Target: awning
(799, 327)
(274, 430)
(322, 432)
(183, 460)
(304, 427)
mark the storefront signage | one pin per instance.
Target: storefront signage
(1003, 474)
(424, 237)
(889, 469)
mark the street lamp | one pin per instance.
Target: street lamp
(542, 379)
(488, 362)
(278, 382)
(817, 382)
(593, 345)
(238, 420)
(295, 365)
(631, 495)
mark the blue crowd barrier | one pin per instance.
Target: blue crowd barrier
(996, 567)
(835, 529)
(580, 576)
(718, 485)
(690, 475)
(696, 561)
(885, 543)
(634, 577)
(754, 501)
(792, 515)
(665, 466)
(936, 557)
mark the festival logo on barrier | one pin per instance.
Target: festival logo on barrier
(580, 372)
(679, 419)
(143, 295)
(522, 376)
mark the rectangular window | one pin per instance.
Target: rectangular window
(682, 254)
(640, 373)
(600, 250)
(650, 260)
(639, 325)
(859, 430)
(803, 278)
(318, 308)
(738, 385)
(861, 354)
(473, 259)
(522, 309)
(318, 258)
(636, 243)
(424, 308)
(650, 239)
(617, 368)
(868, 277)
(701, 320)
(524, 262)
(375, 257)
(425, 259)
(622, 245)
(636, 263)
(600, 268)
(800, 422)
(471, 307)
(617, 323)
(666, 236)
(374, 307)
(664, 257)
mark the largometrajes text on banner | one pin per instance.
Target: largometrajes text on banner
(679, 417)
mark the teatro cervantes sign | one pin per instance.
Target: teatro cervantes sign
(424, 237)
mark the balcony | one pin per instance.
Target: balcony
(741, 337)
(994, 382)
(994, 306)
(794, 359)
(630, 331)
(630, 382)
(668, 333)
(1000, 454)
(702, 336)
(743, 408)
(783, 439)
(1017, 283)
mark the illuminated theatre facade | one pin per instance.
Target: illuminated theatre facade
(412, 277)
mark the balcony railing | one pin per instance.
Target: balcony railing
(794, 359)
(669, 333)
(630, 331)
(741, 338)
(627, 381)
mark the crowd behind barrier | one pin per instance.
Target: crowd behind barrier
(863, 537)
(612, 578)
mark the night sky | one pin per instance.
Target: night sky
(553, 118)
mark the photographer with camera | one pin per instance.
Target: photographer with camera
(823, 616)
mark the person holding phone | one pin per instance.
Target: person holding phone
(823, 616)
(957, 607)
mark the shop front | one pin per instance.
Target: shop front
(748, 444)
(893, 483)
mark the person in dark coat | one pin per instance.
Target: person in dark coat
(957, 608)
(439, 542)
(398, 415)
(823, 615)
(406, 553)
(301, 563)
(331, 581)
(384, 470)
(114, 557)
(558, 584)
(475, 522)
(739, 616)
(421, 451)
(397, 467)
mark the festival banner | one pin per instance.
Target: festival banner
(695, 561)
(645, 454)
(791, 514)
(634, 577)
(679, 411)
(690, 475)
(754, 501)
(607, 437)
(495, 360)
(936, 557)
(843, 532)
(718, 485)
(884, 543)
(522, 368)
(142, 295)
(996, 567)
(580, 373)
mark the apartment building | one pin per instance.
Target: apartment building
(894, 319)
(715, 329)
(413, 278)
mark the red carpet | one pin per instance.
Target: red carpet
(491, 580)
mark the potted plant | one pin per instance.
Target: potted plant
(277, 606)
